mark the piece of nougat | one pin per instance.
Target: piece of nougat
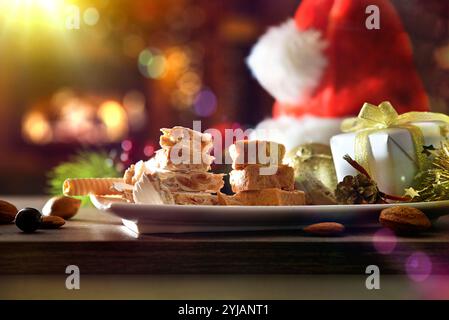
(190, 181)
(177, 173)
(163, 161)
(185, 137)
(195, 198)
(245, 152)
(265, 197)
(249, 178)
(193, 181)
(150, 189)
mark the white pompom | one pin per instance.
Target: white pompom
(292, 132)
(288, 62)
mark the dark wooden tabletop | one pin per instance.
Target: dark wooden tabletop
(99, 244)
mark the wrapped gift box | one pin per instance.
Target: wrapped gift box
(392, 158)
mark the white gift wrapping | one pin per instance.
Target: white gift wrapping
(391, 156)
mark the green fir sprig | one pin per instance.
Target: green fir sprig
(84, 164)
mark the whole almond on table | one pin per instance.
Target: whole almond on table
(325, 229)
(403, 219)
(64, 207)
(51, 222)
(7, 212)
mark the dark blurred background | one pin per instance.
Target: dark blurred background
(134, 66)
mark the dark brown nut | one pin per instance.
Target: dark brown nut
(52, 222)
(7, 212)
(403, 219)
(325, 229)
(64, 207)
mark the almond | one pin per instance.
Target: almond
(7, 212)
(403, 219)
(52, 222)
(64, 207)
(325, 229)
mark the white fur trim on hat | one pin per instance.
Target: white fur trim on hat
(288, 62)
(292, 132)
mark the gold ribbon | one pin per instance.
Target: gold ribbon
(373, 118)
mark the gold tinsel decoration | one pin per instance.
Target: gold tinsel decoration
(432, 184)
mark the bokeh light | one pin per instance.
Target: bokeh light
(62, 97)
(157, 67)
(384, 241)
(205, 103)
(189, 83)
(127, 145)
(152, 64)
(124, 157)
(68, 116)
(36, 128)
(91, 16)
(148, 150)
(180, 100)
(76, 113)
(76, 120)
(145, 57)
(418, 266)
(114, 117)
(134, 103)
(442, 57)
(178, 61)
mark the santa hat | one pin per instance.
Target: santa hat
(326, 62)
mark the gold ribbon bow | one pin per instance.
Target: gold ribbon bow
(372, 118)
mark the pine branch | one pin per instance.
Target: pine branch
(82, 165)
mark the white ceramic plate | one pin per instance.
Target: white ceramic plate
(141, 218)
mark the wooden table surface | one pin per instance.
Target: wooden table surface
(98, 244)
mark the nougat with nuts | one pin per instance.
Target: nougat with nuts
(245, 152)
(250, 178)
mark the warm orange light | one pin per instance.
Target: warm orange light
(36, 128)
(113, 115)
(181, 101)
(134, 104)
(77, 113)
(178, 61)
(189, 83)
(442, 57)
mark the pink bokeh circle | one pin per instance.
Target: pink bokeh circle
(384, 241)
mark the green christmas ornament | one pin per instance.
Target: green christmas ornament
(315, 159)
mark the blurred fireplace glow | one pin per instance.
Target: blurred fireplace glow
(69, 118)
(114, 117)
(36, 128)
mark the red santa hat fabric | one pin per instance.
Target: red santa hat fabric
(326, 63)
